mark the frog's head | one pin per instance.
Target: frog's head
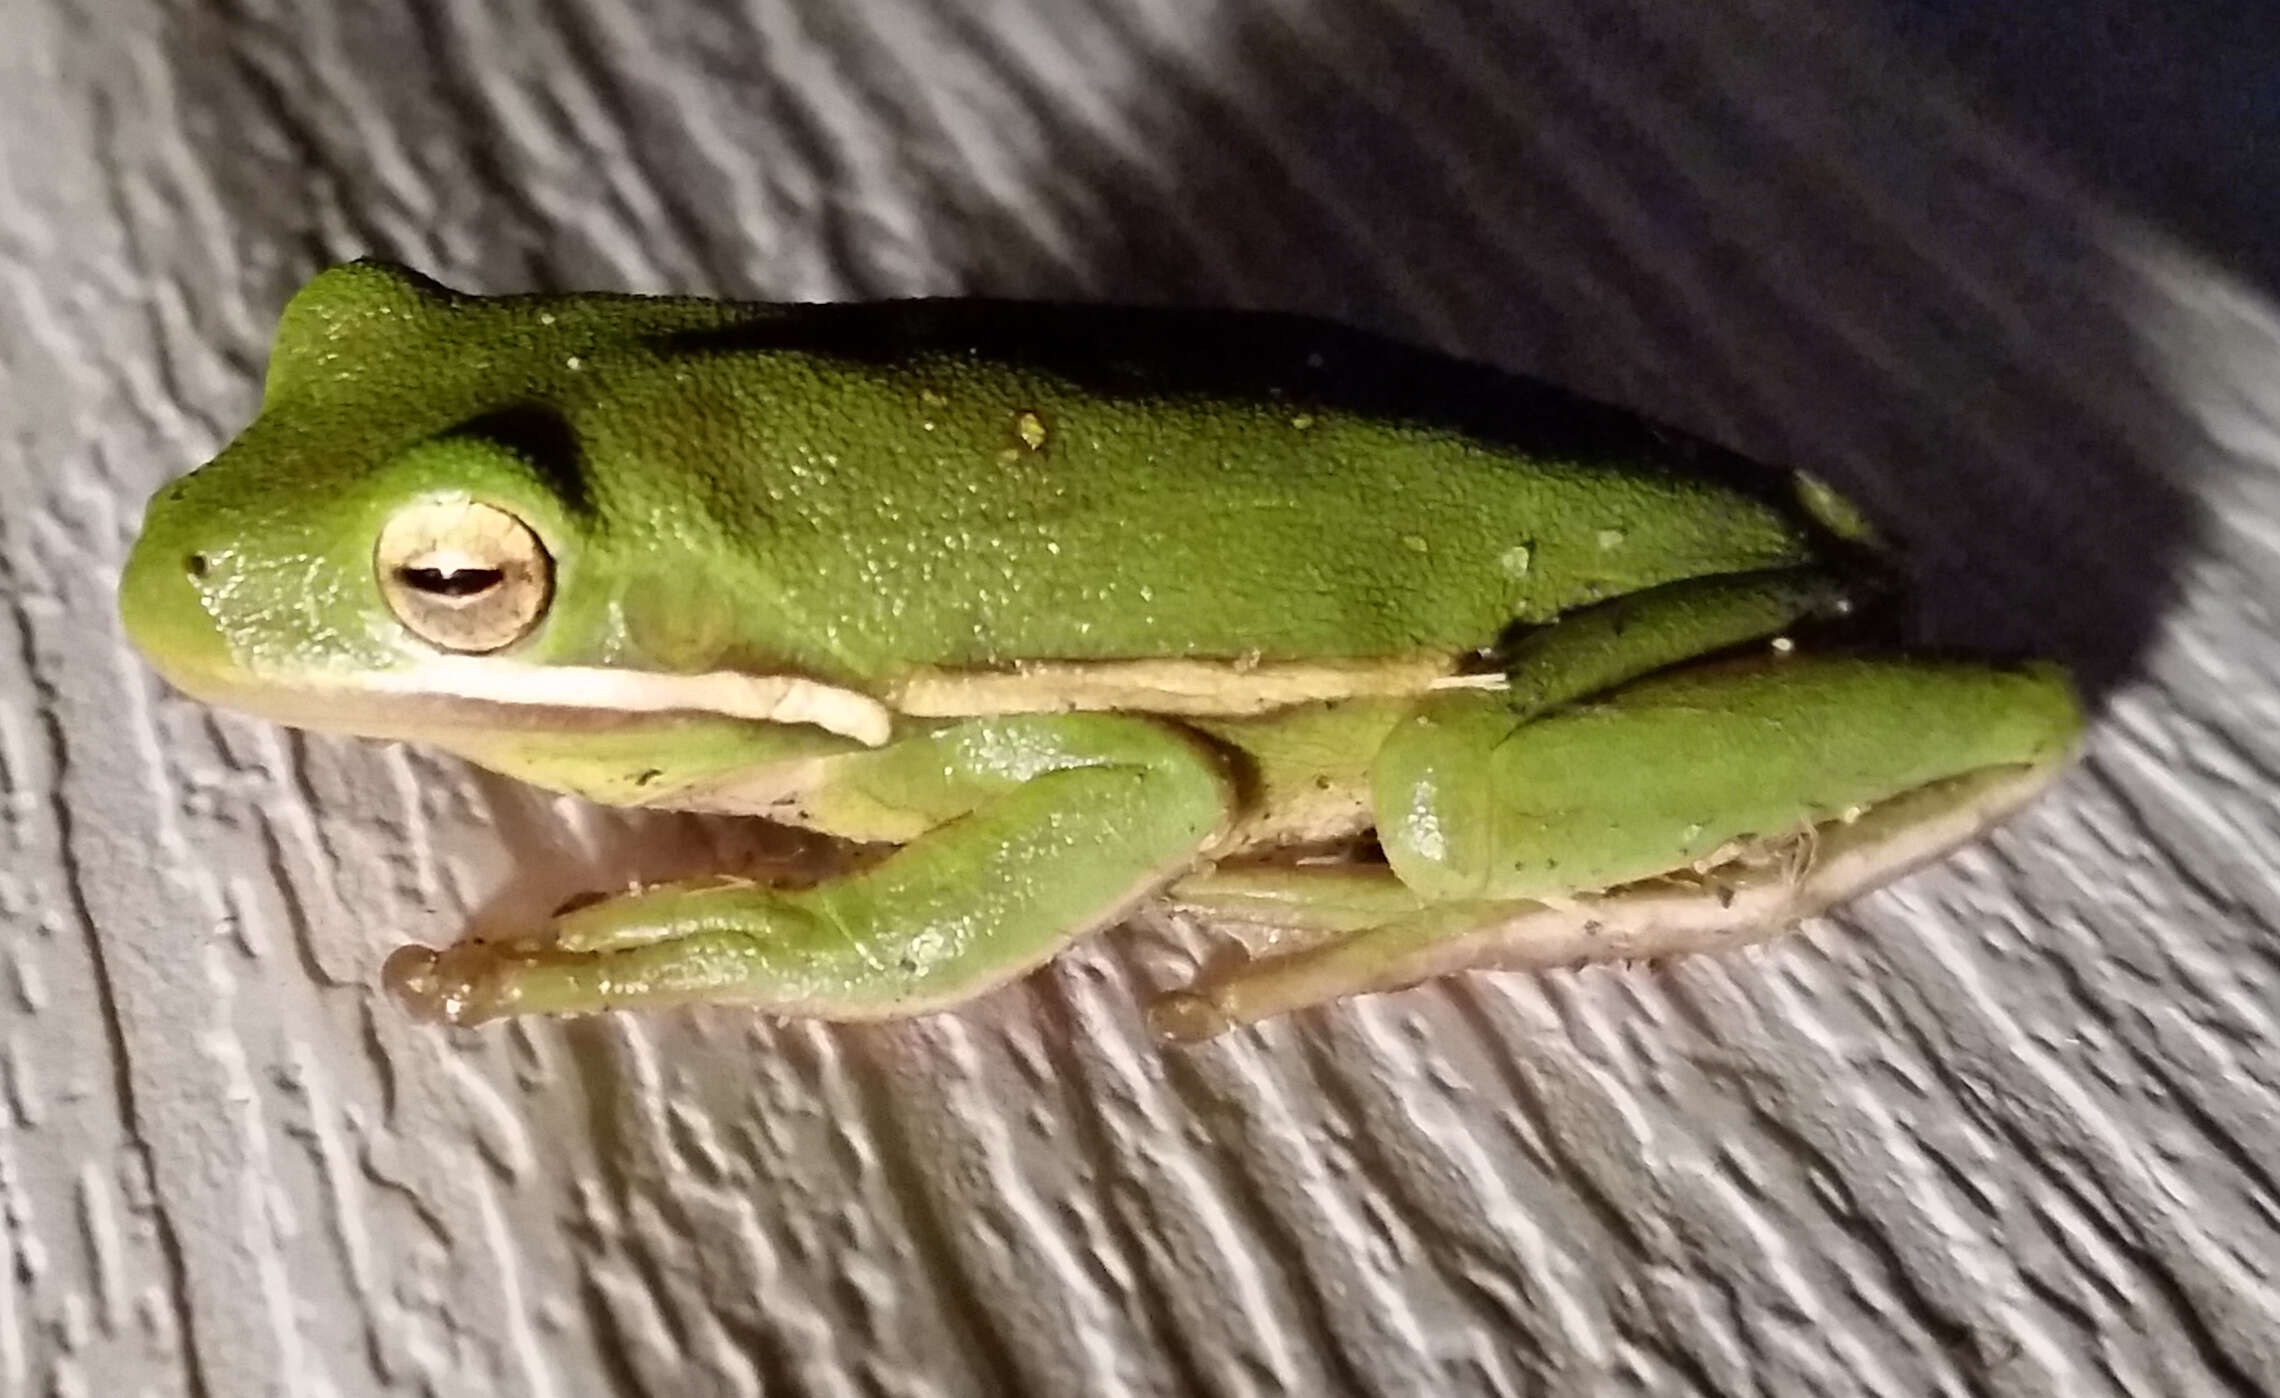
(404, 541)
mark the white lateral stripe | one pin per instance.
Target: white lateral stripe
(1203, 688)
(764, 698)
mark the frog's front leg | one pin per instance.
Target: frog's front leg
(1694, 809)
(1042, 828)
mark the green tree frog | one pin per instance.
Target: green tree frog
(1422, 666)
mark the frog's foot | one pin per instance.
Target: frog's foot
(1748, 899)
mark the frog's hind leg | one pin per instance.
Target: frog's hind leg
(1730, 906)
(1628, 829)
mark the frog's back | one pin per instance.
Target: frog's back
(966, 484)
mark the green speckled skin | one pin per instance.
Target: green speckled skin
(875, 499)
(847, 491)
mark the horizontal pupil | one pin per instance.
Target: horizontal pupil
(451, 582)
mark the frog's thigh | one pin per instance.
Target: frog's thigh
(1436, 778)
(1053, 826)
(1684, 766)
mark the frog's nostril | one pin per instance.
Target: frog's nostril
(165, 592)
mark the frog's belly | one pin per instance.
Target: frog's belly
(1301, 776)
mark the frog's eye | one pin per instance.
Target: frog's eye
(464, 576)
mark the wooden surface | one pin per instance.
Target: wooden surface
(2012, 1127)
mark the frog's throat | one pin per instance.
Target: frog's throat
(762, 698)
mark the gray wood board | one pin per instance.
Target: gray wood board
(2009, 1127)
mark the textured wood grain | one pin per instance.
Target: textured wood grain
(2012, 1127)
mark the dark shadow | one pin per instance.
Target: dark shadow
(1748, 226)
(2171, 111)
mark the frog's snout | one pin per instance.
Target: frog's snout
(162, 599)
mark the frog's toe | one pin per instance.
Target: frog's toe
(1187, 1017)
(464, 984)
(411, 976)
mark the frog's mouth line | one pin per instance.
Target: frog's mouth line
(761, 698)
(444, 691)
